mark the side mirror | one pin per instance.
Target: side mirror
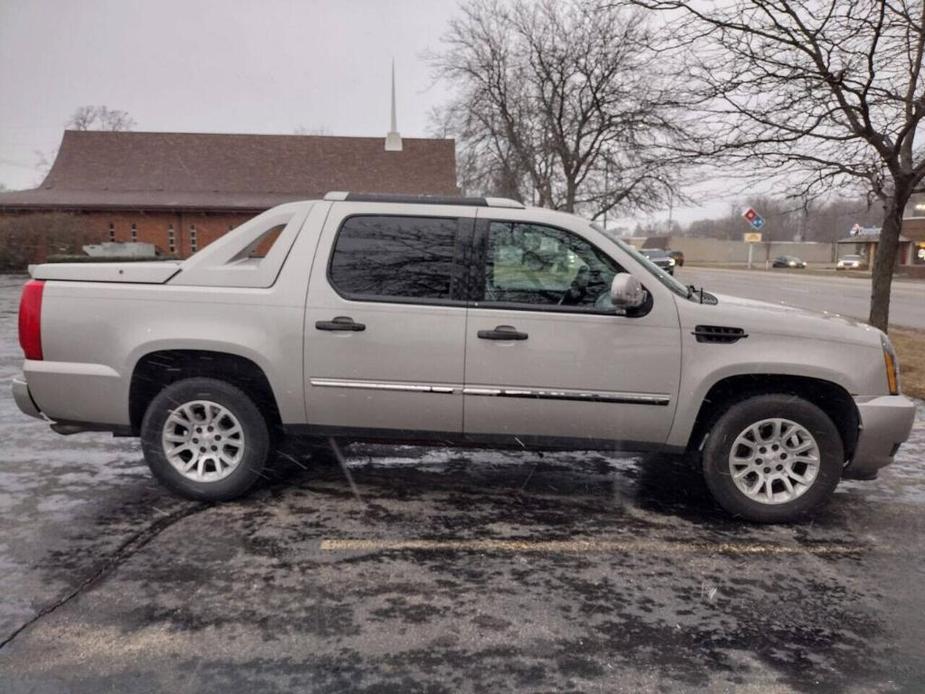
(626, 291)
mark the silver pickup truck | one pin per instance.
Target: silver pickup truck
(466, 320)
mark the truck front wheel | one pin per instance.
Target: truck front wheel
(773, 458)
(205, 439)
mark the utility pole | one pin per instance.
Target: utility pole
(606, 190)
(670, 209)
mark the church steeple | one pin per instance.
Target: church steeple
(393, 138)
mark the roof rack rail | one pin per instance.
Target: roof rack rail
(422, 199)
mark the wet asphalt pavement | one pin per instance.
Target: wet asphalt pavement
(458, 571)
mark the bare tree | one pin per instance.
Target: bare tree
(87, 118)
(100, 118)
(559, 103)
(824, 94)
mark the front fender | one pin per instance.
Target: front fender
(854, 368)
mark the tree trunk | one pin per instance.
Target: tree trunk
(884, 262)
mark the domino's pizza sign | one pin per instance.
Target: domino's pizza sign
(753, 218)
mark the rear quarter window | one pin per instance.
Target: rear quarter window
(395, 257)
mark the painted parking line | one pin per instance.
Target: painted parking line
(589, 546)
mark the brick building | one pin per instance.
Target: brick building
(914, 228)
(180, 191)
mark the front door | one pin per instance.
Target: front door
(385, 321)
(547, 355)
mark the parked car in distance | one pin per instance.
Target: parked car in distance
(678, 257)
(661, 258)
(788, 261)
(851, 262)
(474, 322)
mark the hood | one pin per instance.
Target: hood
(785, 320)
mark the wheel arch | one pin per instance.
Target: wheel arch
(830, 397)
(156, 370)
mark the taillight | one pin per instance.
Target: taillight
(30, 319)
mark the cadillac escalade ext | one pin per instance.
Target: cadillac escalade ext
(468, 320)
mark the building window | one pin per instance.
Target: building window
(171, 239)
(112, 232)
(193, 241)
(916, 206)
(134, 233)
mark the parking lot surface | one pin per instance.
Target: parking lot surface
(849, 296)
(454, 571)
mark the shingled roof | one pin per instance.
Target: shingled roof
(142, 170)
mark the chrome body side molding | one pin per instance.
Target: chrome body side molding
(370, 385)
(573, 395)
(657, 399)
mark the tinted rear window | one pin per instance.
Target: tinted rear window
(400, 257)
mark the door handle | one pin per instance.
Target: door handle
(502, 332)
(341, 323)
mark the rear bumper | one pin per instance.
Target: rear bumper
(77, 391)
(886, 422)
(23, 398)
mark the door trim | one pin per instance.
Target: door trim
(657, 399)
(573, 395)
(443, 389)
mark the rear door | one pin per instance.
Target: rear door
(547, 355)
(385, 319)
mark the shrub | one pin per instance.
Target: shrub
(31, 238)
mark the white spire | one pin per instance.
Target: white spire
(393, 139)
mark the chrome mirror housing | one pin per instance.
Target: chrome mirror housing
(626, 291)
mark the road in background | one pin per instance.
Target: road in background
(848, 296)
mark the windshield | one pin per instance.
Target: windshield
(651, 267)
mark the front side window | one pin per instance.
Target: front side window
(383, 257)
(545, 266)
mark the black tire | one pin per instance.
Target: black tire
(256, 438)
(737, 419)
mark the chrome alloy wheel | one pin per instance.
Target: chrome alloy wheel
(774, 461)
(203, 440)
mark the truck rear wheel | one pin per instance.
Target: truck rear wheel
(773, 458)
(205, 439)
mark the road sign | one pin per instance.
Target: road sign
(753, 218)
(752, 237)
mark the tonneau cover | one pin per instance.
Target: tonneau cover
(155, 272)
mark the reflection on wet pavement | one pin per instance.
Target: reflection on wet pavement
(455, 570)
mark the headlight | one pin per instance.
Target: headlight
(671, 262)
(891, 364)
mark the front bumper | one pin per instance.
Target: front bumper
(23, 398)
(886, 422)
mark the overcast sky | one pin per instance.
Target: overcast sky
(217, 66)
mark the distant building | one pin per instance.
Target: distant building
(914, 227)
(181, 191)
(911, 251)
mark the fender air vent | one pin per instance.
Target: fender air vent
(718, 333)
